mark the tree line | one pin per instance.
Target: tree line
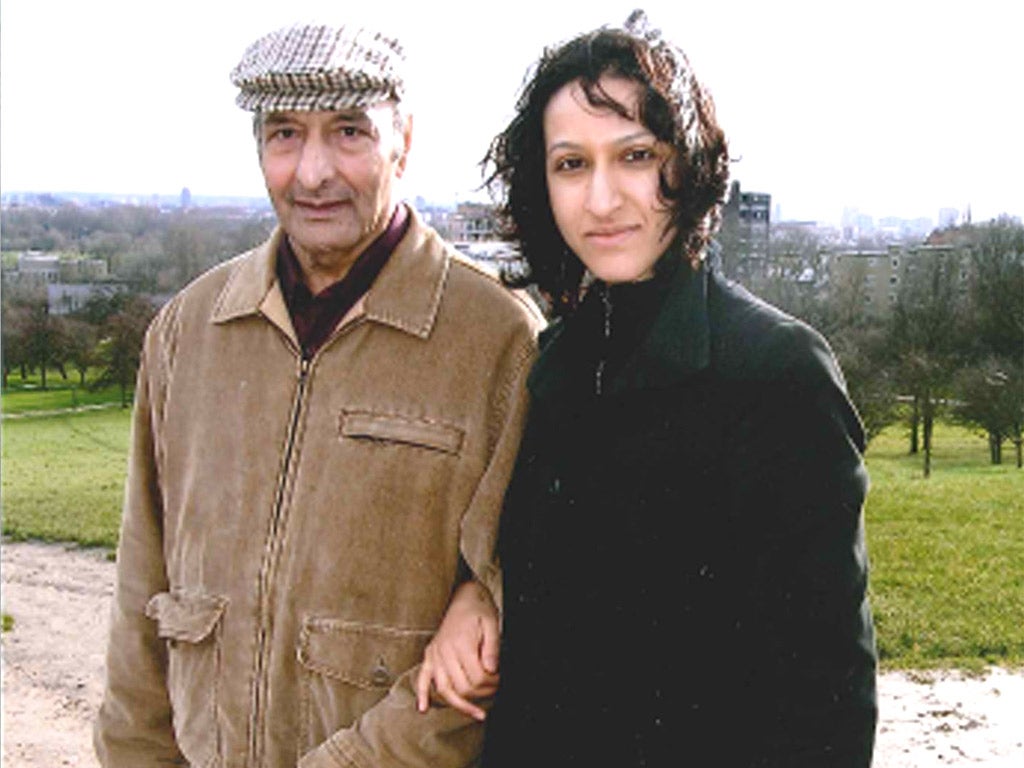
(951, 344)
(150, 253)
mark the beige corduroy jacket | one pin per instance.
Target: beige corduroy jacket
(292, 529)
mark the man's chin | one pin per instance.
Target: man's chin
(324, 238)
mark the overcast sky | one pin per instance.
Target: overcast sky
(896, 107)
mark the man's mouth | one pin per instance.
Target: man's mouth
(320, 208)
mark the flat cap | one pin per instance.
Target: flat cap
(319, 67)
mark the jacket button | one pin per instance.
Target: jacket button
(555, 487)
(380, 675)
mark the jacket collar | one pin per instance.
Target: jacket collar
(677, 347)
(406, 294)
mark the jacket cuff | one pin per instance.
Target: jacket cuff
(337, 752)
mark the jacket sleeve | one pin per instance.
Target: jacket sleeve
(133, 728)
(393, 733)
(799, 485)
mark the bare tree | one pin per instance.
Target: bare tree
(926, 335)
(119, 349)
(862, 351)
(992, 386)
(996, 289)
(80, 345)
(38, 336)
(991, 396)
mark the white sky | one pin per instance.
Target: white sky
(896, 107)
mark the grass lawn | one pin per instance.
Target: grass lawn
(947, 553)
(22, 396)
(63, 476)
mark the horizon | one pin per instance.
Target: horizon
(262, 201)
(889, 110)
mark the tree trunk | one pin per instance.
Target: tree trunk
(915, 420)
(995, 447)
(927, 422)
(42, 376)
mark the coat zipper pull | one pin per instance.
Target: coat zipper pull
(606, 302)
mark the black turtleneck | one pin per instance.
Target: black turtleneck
(613, 321)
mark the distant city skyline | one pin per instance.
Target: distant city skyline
(895, 109)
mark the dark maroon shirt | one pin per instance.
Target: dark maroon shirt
(314, 317)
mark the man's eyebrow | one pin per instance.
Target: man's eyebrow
(351, 114)
(276, 117)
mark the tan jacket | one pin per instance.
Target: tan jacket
(292, 529)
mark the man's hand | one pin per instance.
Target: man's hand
(461, 661)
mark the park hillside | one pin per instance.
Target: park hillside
(938, 378)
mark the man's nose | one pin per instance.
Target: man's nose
(315, 166)
(603, 195)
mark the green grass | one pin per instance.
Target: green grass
(947, 553)
(25, 396)
(63, 476)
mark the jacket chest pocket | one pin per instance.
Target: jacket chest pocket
(191, 626)
(347, 667)
(395, 429)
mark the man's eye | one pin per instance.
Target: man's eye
(281, 134)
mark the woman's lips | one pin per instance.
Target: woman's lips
(610, 236)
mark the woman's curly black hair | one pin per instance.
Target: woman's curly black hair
(673, 106)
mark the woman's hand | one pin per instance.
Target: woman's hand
(461, 660)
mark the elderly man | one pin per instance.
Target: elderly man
(323, 431)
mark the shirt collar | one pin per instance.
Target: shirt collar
(406, 295)
(289, 271)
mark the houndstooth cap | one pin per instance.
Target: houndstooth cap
(319, 67)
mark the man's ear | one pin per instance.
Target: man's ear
(402, 151)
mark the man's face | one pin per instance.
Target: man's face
(330, 176)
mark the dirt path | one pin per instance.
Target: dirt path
(53, 655)
(53, 662)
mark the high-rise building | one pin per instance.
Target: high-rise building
(745, 233)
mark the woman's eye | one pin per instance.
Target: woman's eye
(569, 164)
(639, 155)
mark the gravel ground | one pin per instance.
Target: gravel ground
(52, 664)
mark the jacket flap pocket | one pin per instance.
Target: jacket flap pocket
(188, 617)
(364, 655)
(402, 429)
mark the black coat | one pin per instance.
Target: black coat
(685, 569)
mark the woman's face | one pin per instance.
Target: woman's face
(603, 175)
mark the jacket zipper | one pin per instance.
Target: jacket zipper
(267, 567)
(606, 303)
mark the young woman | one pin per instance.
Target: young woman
(682, 541)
